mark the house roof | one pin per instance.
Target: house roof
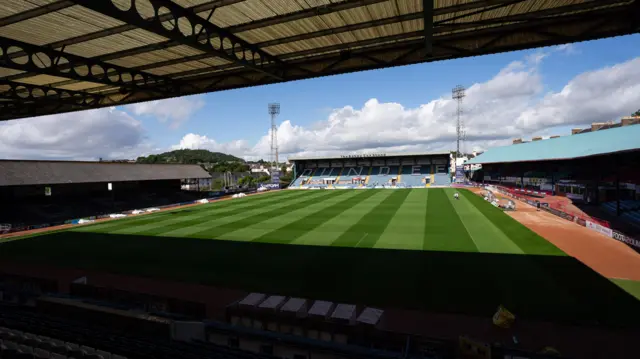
(620, 139)
(24, 173)
(67, 55)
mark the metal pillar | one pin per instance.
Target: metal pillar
(458, 93)
(274, 110)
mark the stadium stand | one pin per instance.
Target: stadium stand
(323, 177)
(27, 334)
(595, 170)
(46, 192)
(383, 176)
(352, 177)
(441, 179)
(415, 176)
(630, 211)
(400, 170)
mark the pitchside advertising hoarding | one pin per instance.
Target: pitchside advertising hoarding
(459, 173)
(628, 240)
(601, 229)
(275, 177)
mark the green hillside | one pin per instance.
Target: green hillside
(189, 157)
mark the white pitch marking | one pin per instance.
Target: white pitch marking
(363, 237)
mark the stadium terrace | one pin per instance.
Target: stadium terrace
(401, 170)
(594, 169)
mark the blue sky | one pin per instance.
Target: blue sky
(236, 114)
(336, 114)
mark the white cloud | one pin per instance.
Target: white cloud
(509, 105)
(596, 96)
(195, 142)
(569, 49)
(107, 133)
(175, 111)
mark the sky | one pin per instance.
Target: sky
(520, 94)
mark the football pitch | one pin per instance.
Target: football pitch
(412, 248)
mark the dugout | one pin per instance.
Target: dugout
(39, 192)
(591, 167)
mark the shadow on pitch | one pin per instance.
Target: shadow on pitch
(535, 287)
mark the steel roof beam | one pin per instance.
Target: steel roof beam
(185, 27)
(26, 93)
(41, 60)
(427, 16)
(303, 14)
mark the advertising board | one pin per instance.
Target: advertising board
(625, 239)
(601, 229)
(459, 173)
(275, 177)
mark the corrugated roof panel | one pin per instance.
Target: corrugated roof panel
(57, 26)
(567, 147)
(151, 57)
(241, 13)
(11, 7)
(78, 86)
(42, 79)
(119, 42)
(8, 72)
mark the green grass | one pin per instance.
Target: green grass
(413, 248)
(631, 286)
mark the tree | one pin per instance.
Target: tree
(264, 179)
(217, 184)
(637, 113)
(247, 181)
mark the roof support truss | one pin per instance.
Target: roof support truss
(57, 63)
(412, 51)
(184, 27)
(26, 93)
(440, 26)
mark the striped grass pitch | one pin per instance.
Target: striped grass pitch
(392, 219)
(417, 248)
